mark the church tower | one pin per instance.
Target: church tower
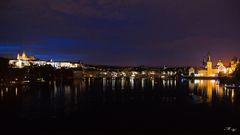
(209, 66)
(18, 56)
(24, 56)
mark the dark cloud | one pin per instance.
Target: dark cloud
(136, 32)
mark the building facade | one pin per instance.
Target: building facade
(209, 70)
(215, 71)
(24, 61)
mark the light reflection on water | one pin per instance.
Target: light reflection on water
(207, 90)
(143, 83)
(132, 82)
(122, 83)
(69, 95)
(153, 83)
(104, 83)
(113, 83)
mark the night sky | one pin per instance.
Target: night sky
(121, 32)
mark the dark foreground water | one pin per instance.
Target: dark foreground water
(120, 106)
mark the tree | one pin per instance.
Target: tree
(236, 74)
(3, 67)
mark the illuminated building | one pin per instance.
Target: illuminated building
(191, 71)
(209, 66)
(214, 71)
(24, 61)
(208, 71)
(233, 65)
(221, 67)
(24, 57)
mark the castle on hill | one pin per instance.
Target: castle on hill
(25, 57)
(24, 60)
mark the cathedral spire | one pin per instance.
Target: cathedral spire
(18, 56)
(209, 58)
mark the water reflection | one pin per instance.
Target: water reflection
(209, 90)
(55, 89)
(70, 95)
(122, 83)
(143, 83)
(104, 84)
(16, 91)
(169, 83)
(153, 83)
(113, 83)
(132, 82)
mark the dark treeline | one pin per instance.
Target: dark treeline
(236, 75)
(4, 67)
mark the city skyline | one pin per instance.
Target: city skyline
(121, 33)
(22, 60)
(215, 61)
(119, 67)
